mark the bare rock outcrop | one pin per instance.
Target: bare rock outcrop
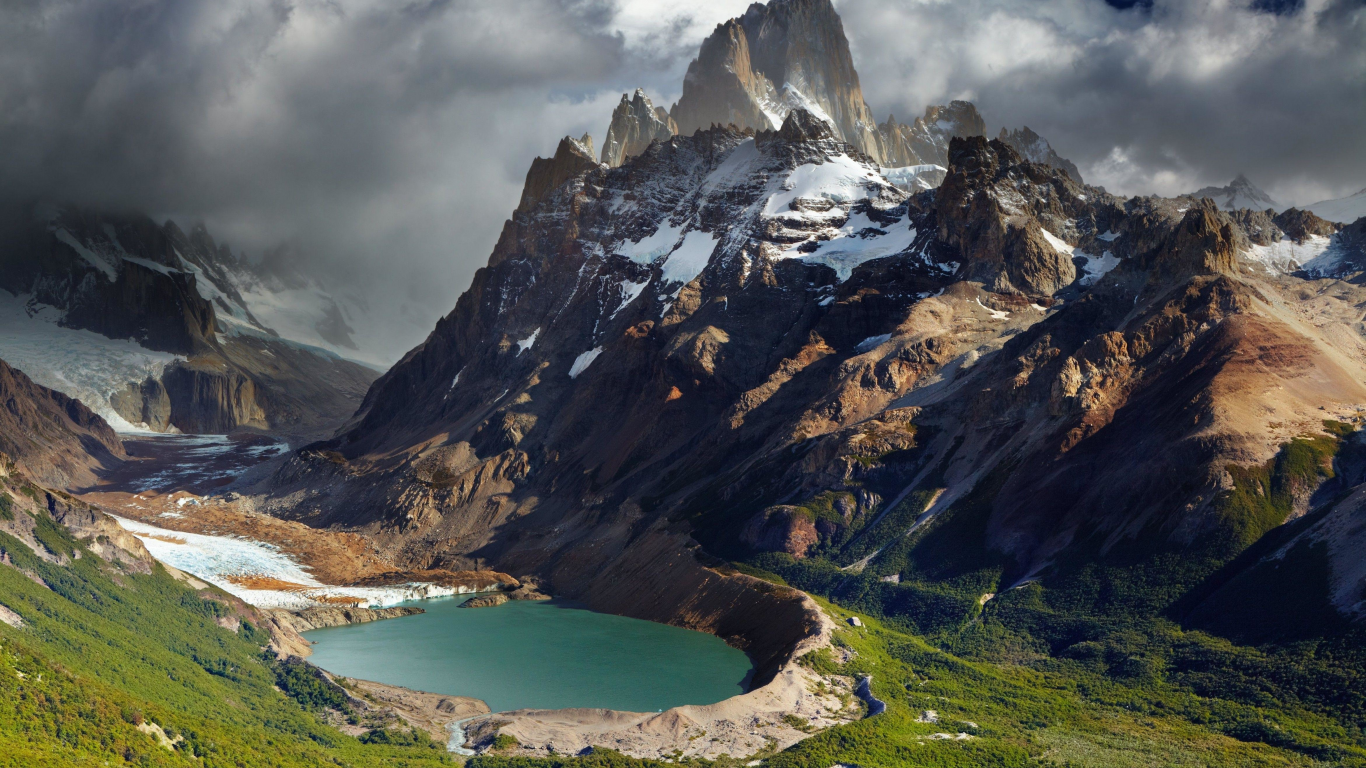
(322, 616)
(51, 437)
(636, 122)
(781, 529)
(485, 601)
(572, 157)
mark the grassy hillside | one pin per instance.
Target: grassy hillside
(105, 654)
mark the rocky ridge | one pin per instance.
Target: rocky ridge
(50, 436)
(735, 284)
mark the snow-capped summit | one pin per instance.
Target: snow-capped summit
(1240, 193)
(1344, 210)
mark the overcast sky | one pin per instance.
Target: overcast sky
(388, 140)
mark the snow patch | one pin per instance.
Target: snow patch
(526, 343)
(1097, 266)
(873, 342)
(582, 362)
(1058, 243)
(97, 261)
(1288, 255)
(220, 560)
(152, 265)
(630, 291)
(911, 177)
(996, 314)
(647, 249)
(840, 179)
(690, 257)
(858, 241)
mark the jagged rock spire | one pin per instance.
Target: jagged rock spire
(788, 54)
(792, 54)
(636, 122)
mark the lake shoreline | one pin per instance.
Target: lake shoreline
(653, 574)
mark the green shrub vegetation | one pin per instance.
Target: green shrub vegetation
(503, 742)
(96, 658)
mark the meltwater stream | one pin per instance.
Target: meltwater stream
(541, 655)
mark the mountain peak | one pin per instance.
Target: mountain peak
(801, 125)
(636, 122)
(1240, 193)
(1036, 149)
(572, 157)
(790, 54)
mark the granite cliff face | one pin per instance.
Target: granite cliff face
(785, 55)
(635, 123)
(156, 289)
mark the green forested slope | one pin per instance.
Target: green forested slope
(103, 651)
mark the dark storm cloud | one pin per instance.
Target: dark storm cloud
(387, 141)
(1159, 97)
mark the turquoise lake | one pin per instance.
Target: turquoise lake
(542, 655)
